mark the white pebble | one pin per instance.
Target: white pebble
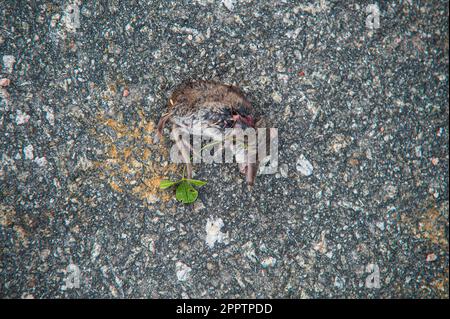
(95, 251)
(21, 117)
(229, 4)
(380, 225)
(183, 271)
(50, 116)
(284, 169)
(28, 152)
(8, 63)
(276, 97)
(268, 262)
(40, 161)
(72, 17)
(304, 166)
(213, 233)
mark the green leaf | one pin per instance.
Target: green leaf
(166, 184)
(186, 193)
(196, 182)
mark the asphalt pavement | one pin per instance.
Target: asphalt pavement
(358, 208)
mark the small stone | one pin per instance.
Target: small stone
(249, 251)
(391, 191)
(71, 17)
(151, 198)
(229, 4)
(435, 161)
(287, 112)
(304, 166)
(28, 152)
(44, 253)
(369, 154)
(276, 97)
(129, 28)
(125, 93)
(431, 257)
(5, 82)
(21, 117)
(49, 115)
(84, 163)
(284, 169)
(40, 161)
(95, 251)
(183, 271)
(340, 142)
(339, 282)
(418, 151)
(213, 233)
(198, 205)
(321, 245)
(8, 63)
(113, 291)
(380, 225)
(268, 262)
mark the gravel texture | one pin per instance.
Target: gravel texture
(359, 206)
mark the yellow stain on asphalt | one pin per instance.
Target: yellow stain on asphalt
(128, 166)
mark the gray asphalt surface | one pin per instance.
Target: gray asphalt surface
(358, 209)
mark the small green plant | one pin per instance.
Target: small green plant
(185, 191)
